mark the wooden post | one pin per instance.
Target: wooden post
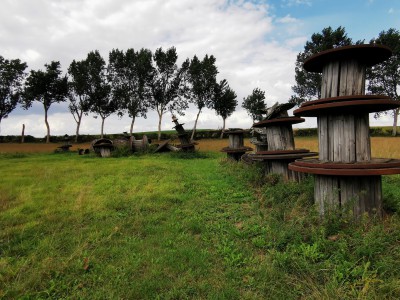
(23, 134)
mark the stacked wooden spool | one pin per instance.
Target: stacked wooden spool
(186, 144)
(345, 173)
(281, 151)
(236, 147)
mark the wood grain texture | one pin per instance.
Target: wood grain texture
(345, 138)
(280, 138)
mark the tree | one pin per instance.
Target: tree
(254, 104)
(11, 78)
(98, 88)
(202, 76)
(78, 93)
(168, 86)
(130, 74)
(384, 78)
(308, 85)
(46, 87)
(224, 102)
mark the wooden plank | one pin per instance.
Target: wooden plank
(349, 139)
(343, 79)
(335, 79)
(323, 141)
(363, 143)
(280, 138)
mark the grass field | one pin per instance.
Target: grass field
(174, 226)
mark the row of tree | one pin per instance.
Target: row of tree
(133, 82)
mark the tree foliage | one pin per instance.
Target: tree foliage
(168, 86)
(130, 74)
(308, 85)
(224, 102)
(202, 76)
(384, 78)
(11, 78)
(46, 87)
(98, 88)
(79, 103)
(254, 104)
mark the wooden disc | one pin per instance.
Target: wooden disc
(370, 54)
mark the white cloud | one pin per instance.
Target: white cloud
(287, 19)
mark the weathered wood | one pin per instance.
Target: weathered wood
(280, 137)
(323, 134)
(363, 141)
(352, 78)
(330, 80)
(236, 140)
(140, 145)
(345, 138)
(23, 134)
(105, 152)
(281, 167)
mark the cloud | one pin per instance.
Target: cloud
(287, 19)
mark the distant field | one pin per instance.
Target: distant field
(388, 147)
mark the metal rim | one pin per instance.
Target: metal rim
(375, 163)
(369, 54)
(343, 172)
(295, 151)
(287, 120)
(282, 156)
(347, 107)
(345, 98)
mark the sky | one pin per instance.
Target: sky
(255, 43)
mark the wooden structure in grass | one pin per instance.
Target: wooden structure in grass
(64, 147)
(236, 147)
(102, 147)
(345, 173)
(277, 127)
(186, 144)
(140, 145)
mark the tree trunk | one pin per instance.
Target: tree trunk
(102, 126)
(159, 125)
(395, 116)
(23, 134)
(131, 131)
(223, 129)
(195, 125)
(47, 125)
(78, 125)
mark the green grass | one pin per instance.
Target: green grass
(176, 226)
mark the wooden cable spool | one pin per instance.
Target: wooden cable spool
(345, 172)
